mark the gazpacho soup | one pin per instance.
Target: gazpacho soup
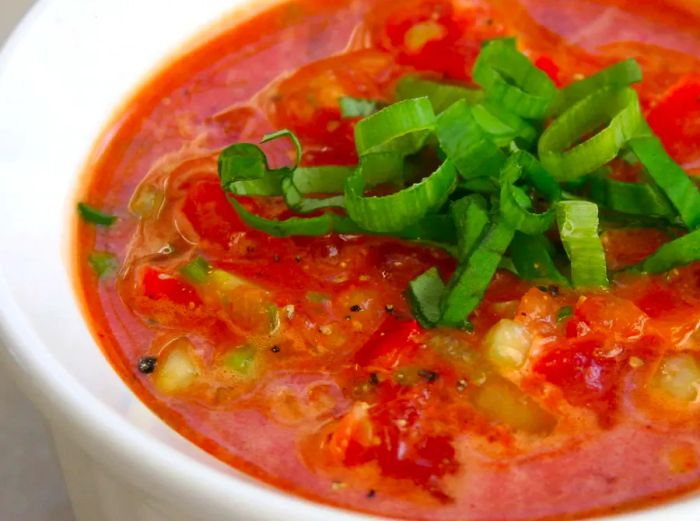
(426, 259)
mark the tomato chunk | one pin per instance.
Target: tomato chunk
(158, 285)
(676, 120)
(210, 213)
(394, 338)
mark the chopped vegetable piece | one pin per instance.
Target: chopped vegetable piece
(404, 208)
(671, 179)
(197, 271)
(243, 170)
(92, 215)
(468, 284)
(522, 164)
(357, 108)
(620, 74)
(679, 377)
(532, 258)
(425, 294)
(678, 252)
(558, 149)
(631, 198)
(509, 78)
(471, 218)
(103, 262)
(578, 228)
(241, 360)
(507, 344)
(177, 367)
(442, 95)
(402, 127)
(466, 144)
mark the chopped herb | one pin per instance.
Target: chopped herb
(103, 263)
(565, 313)
(241, 360)
(356, 107)
(197, 271)
(92, 215)
(147, 364)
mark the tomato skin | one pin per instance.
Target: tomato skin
(676, 120)
(160, 286)
(394, 339)
(551, 69)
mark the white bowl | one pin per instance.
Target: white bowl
(66, 69)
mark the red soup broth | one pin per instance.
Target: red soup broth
(311, 374)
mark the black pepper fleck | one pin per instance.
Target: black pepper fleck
(347, 317)
(374, 379)
(554, 290)
(275, 349)
(371, 494)
(147, 364)
(430, 376)
(355, 308)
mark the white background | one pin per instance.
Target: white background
(31, 488)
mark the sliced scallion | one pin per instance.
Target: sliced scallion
(92, 215)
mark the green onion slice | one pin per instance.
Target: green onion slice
(620, 74)
(471, 217)
(466, 144)
(578, 228)
(401, 209)
(92, 215)
(441, 95)
(671, 178)
(614, 106)
(469, 283)
(425, 294)
(243, 170)
(510, 78)
(630, 198)
(402, 127)
(502, 125)
(286, 133)
(532, 257)
(679, 252)
(523, 165)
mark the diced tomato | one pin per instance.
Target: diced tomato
(433, 35)
(585, 377)
(210, 213)
(161, 286)
(676, 120)
(618, 319)
(393, 340)
(551, 69)
(659, 301)
(627, 246)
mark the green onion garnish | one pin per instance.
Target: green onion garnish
(92, 215)
(196, 271)
(578, 228)
(472, 172)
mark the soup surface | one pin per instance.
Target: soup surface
(299, 360)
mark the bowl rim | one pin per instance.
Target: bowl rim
(61, 397)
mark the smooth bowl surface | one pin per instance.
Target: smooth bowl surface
(64, 73)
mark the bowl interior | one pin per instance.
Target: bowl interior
(67, 68)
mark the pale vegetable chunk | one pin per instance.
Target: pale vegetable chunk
(507, 344)
(504, 402)
(177, 368)
(679, 377)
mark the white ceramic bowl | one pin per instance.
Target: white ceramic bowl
(62, 75)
